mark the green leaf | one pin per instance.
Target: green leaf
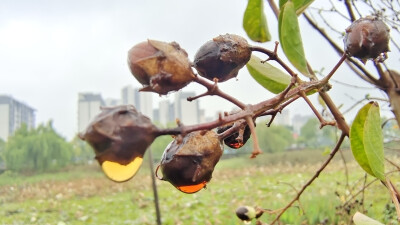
(299, 5)
(366, 140)
(373, 142)
(255, 22)
(361, 219)
(290, 38)
(270, 77)
(357, 139)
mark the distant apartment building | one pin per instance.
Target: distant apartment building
(129, 96)
(112, 102)
(164, 112)
(13, 114)
(283, 118)
(143, 101)
(88, 107)
(187, 112)
(298, 122)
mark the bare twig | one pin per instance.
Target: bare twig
(331, 155)
(212, 89)
(350, 10)
(393, 163)
(363, 192)
(346, 170)
(393, 195)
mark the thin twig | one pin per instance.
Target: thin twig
(212, 89)
(331, 155)
(366, 186)
(393, 164)
(394, 197)
(350, 10)
(273, 56)
(322, 121)
(363, 192)
(256, 148)
(346, 170)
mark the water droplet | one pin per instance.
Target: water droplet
(236, 145)
(190, 189)
(120, 173)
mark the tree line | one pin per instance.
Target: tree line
(43, 149)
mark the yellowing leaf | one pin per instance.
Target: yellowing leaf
(255, 22)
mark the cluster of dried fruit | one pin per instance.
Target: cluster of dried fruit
(163, 67)
(121, 135)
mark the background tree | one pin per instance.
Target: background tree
(311, 136)
(38, 150)
(81, 152)
(275, 138)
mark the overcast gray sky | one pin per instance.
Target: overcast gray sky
(50, 50)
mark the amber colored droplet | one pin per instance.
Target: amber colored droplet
(190, 189)
(236, 145)
(120, 173)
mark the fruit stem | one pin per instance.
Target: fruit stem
(256, 148)
(212, 89)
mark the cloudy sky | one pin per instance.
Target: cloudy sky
(50, 50)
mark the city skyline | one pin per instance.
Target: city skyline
(164, 114)
(89, 105)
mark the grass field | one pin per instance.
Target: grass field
(82, 195)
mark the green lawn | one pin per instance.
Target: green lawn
(82, 195)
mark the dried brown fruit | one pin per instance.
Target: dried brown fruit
(120, 136)
(222, 57)
(161, 67)
(232, 141)
(188, 163)
(367, 38)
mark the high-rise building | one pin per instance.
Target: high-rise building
(13, 114)
(146, 104)
(129, 96)
(88, 107)
(143, 101)
(187, 112)
(111, 102)
(164, 112)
